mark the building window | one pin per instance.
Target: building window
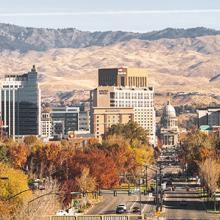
(112, 95)
(122, 81)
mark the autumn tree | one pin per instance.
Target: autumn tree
(4, 153)
(85, 182)
(29, 140)
(17, 182)
(18, 154)
(49, 155)
(195, 147)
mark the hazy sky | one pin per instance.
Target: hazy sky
(126, 15)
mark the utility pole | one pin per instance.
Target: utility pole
(156, 192)
(161, 193)
(140, 196)
(146, 178)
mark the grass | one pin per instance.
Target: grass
(213, 211)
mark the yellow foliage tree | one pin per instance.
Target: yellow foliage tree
(15, 183)
(143, 155)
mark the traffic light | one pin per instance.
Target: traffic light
(115, 193)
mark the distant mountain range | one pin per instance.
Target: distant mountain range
(185, 62)
(24, 39)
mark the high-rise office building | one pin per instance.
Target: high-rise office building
(64, 120)
(20, 104)
(127, 88)
(123, 77)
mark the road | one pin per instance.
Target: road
(192, 208)
(110, 202)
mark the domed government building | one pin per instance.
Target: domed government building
(169, 126)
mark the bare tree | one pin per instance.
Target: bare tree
(210, 172)
(86, 183)
(42, 204)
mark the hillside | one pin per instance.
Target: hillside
(187, 67)
(24, 39)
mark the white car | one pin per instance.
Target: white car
(122, 206)
(61, 213)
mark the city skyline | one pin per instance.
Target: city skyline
(99, 16)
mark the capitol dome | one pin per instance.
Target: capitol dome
(169, 110)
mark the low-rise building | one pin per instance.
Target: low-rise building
(46, 125)
(208, 116)
(102, 118)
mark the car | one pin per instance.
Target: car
(120, 210)
(136, 209)
(122, 206)
(183, 203)
(61, 213)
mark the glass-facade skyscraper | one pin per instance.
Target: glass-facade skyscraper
(20, 104)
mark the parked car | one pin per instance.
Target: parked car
(120, 210)
(136, 209)
(122, 206)
(61, 213)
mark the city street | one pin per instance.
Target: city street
(110, 202)
(181, 204)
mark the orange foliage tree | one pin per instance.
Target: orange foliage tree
(18, 154)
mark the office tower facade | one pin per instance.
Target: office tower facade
(121, 77)
(64, 120)
(84, 116)
(84, 120)
(127, 90)
(20, 104)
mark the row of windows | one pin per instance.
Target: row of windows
(133, 95)
(132, 104)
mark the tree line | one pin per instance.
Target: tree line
(200, 154)
(123, 151)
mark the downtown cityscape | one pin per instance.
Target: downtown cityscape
(116, 121)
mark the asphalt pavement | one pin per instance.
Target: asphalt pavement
(183, 204)
(109, 203)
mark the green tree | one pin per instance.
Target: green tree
(135, 134)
